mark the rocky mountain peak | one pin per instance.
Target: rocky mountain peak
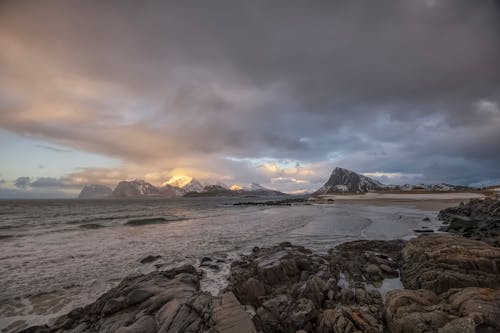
(94, 191)
(134, 188)
(347, 181)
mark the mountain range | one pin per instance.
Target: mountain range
(346, 181)
(341, 181)
(176, 187)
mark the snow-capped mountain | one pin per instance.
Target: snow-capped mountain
(257, 189)
(178, 181)
(183, 184)
(212, 191)
(441, 187)
(221, 184)
(135, 188)
(347, 181)
(219, 189)
(193, 186)
(95, 191)
(170, 191)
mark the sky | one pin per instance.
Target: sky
(272, 92)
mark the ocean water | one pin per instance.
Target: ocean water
(56, 255)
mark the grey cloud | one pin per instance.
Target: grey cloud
(22, 182)
(390, 86)
(8, 193)
(26, 182)
(44, 182)
(59, 150)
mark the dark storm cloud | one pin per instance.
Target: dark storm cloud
(22, 182)
(43, 182)
(395, 86)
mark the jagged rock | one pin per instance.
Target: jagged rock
(205, 261)
(95, 191)
(458, 310)
(149, 259)
(272, 270)
(439, 262)
(478, 219)
(343, 180)
(367, 260)
(290, 286)
(283, 314)
(169, 301)
(134, 188)
(314, 289)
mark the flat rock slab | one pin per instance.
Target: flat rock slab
(229, 315)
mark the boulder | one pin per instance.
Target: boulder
(439, 262)
(367, 260)
(284, 314)
(480, 304)
(414, 311)
(149, 259)
(169, 301)
(291, 287)
(479, 219)
(465, 310)
(268, 272)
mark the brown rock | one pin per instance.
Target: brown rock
(347, 320)
(414, 311)
(482, 304)
(229, 315)
(314, 289)
(458, 310)
(440, 262)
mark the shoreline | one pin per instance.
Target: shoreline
(274, 255)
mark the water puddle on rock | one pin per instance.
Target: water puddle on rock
(386, 286)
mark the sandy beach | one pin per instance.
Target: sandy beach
(424, 201)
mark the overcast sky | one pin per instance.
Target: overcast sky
(273, 92)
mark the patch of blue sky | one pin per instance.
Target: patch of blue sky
(25, 156)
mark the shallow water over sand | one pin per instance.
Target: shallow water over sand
(56, 255)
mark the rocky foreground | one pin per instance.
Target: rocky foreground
(478, 219)
(451, 284)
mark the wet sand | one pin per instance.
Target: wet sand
(424, 201)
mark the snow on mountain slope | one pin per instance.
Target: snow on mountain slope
(94, 191)
(134, 188)
(344, 180)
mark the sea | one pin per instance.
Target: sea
(56, 255)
